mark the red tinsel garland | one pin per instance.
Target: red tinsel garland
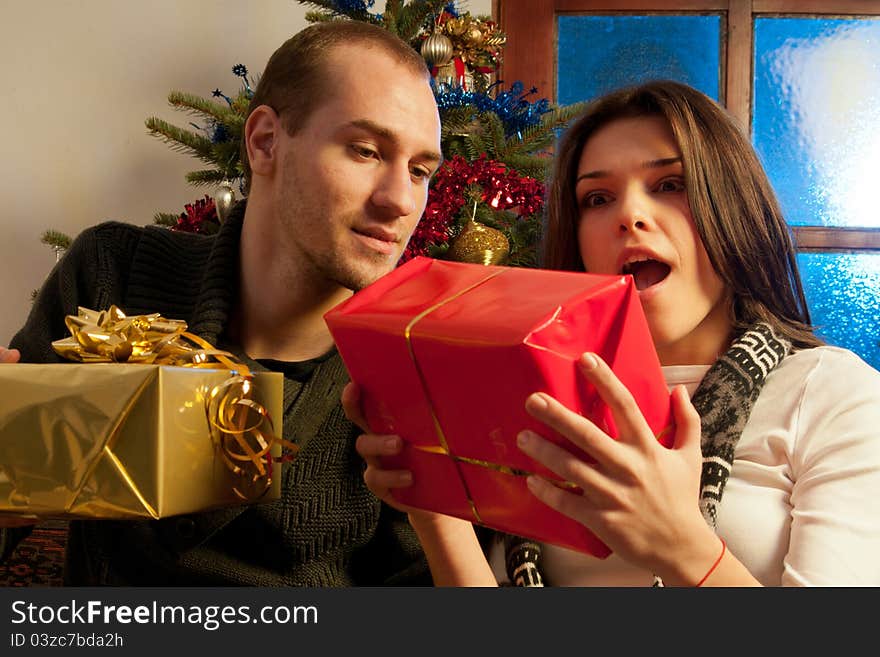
(197, 214)
(501, 187)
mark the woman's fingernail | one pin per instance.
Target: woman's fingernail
(392, 443)
(532, 482)
(523, 438)
(537, 401)
(405, 478)
(588, 361)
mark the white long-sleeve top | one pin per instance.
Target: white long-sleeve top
(802, 504)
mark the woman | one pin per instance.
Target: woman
(774, 475)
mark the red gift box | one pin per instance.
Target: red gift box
(446, 353)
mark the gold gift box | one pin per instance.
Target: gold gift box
(117, 441)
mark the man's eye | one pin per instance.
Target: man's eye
(364, 151)
(420, 174)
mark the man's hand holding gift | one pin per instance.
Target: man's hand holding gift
(9, 355)
(13, 356)
(372, 447)
(450, 544)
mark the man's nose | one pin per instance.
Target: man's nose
(394, 192)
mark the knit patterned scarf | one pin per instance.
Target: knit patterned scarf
(724, 400)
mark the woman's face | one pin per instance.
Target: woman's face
(635, 219)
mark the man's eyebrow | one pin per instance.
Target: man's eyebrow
(650, 164)
(386, 134)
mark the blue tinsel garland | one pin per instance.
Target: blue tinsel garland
(511, 106)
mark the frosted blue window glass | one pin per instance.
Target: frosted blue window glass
(815, 122)
(597, 54)
(843, 294)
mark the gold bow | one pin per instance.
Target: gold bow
(237, 422)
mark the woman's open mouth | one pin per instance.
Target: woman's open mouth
(646, 273)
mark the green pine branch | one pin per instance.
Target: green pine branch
(56, 239)
(330, 10)
(539, 138)
(533, 166)
(227, 158)
(208, 177)
(415, 17)
(393, 10)
(457, 119)
(390, 24)
(406, 20)
(181, 140)
(165, 219)
(319, 16)
(561, 115)
(495, 140)
(199, 106)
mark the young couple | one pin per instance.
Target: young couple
(776, 461)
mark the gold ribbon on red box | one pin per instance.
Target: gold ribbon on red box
(443, 447)
(241, 428)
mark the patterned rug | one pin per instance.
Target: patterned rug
(39, 559)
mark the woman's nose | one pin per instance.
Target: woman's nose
(633, 214)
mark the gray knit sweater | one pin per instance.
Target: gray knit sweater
(326, 530)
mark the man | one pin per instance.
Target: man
(341, 140)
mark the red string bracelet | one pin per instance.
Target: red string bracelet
(714, 565)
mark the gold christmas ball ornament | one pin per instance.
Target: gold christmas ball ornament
(474, 35)
(480, 244)
(437, 49)
(224, 199)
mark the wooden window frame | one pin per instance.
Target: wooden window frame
(529, 56)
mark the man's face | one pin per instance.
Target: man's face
(354, 178)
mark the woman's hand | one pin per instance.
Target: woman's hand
(639, 497)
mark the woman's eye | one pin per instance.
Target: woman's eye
(671, 185)
(595, 199)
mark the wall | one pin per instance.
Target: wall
(80, 78)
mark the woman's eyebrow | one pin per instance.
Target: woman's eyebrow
(662, 162)
(650, 164)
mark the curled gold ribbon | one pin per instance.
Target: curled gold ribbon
(241, 429)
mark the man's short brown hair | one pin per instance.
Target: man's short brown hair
(295, 80)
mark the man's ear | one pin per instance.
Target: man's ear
(261, 131)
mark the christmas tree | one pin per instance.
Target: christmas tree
(485, 202)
